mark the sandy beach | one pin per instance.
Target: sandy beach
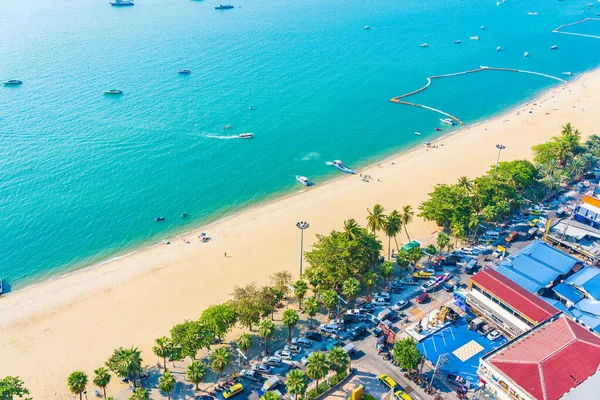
(74, 322)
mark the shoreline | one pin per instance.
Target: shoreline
(283, 194)
(81, 316)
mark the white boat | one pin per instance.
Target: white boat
(532, 13)
(340, 165)
(367, 27)
(447, 121)
(568, 73)
(474, 37)
(12, 82)
(457, 41)
(498, 48)
(121, 3)
(482, 27)
(1, 287)
(555, 47)
(304, 180)
(525, 54)
(418, 133)
(424, 45)
(246, 135)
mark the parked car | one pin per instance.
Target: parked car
(409, 282)
(380, 301)
(314, 336)
(333, 343)
(350, 348)
(271, 384)
(284, 354)
(353, 318)
(292, 348)
(395, 287)
(304, 359)
(366, 308)
(511, 237)
(428, 286)
(531, 233)
(304, 342)
(422, 298)
(384, 314)
(422, 275)
(485, 330)
(250, 374)
(494, 335)
(354, 311)
(272, 361)
(400, 304)
(456, 379)
(387, 381)
(533, 222)
(358, 332)
(385, 295)
(261, 368)
(233, 390)
(451, 285)
(471, 266)
(377, 332)
(497, 253)
(329, 328)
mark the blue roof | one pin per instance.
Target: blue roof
(557, 304)
(588, 279)
(568, 292)
(536, 266)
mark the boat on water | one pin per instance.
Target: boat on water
(113, 91)
(474, 37)
(457, 41)
(12, 82)
(424, 45)
(251, 108)
(1, 287)
(121, 3)
(367, 27)
(447, 121)
(159, 219)
(532, 13)
(568, 73)
(482, 27)
(185, 72)
(438, 129)
(304, 180)
(525, 54)
(223, 7)
(227, 127)
(340, 165)
(246, 135)
(418, 133)
(555, 47)
(498, 48)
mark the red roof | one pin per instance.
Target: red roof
(550, 360)
(519, 299)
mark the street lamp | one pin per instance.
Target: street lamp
(302, 225)
(500, 148)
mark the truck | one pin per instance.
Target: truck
(531, 233)
(451, 284)
(511, 237)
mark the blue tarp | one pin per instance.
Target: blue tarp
(568, 292)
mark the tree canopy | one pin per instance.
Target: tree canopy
(406, 354)
(12, 388)
(219, 318)
(191, 337)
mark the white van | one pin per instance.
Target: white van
(491, 236)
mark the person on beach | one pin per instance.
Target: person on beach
(225, 254)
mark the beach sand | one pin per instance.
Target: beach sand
(74, 322)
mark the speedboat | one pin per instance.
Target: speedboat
(227, 127)
(159, 219)
(568, 73)
(424, 45)
(474, 37)
(457, 41)
(121, 3)
(482, 27)
(113, 91)
(185, 72)
(447, 121)
(224, 7)
(555, 47)
(525, 54)
(418, 133)
(532, 13)
(251, 108)
(246, 135)
(12, 82)
(340, 165)
(367, 27)
(304, 180)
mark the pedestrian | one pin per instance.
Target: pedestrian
(225, 254)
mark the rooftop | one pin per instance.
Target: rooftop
(587, 279)
(549, 360)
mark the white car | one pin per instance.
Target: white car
(385, 295)
(284, 354)
(329, 328)
(250, 375)
(494, 335)
(497, 253)
(400, 305)
(355, 311)
(272, 361)
(304, 359)
(304, 342)
(428, 286)
(380, 301)
(292, 348)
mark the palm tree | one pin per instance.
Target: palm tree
(270, 395)
(266, 330)
(351, 288)
(101, 379)
(473, 224)
(370, 281)
(317, 367)
(163, 349)
(300, 289)
(351, 229)
(290, 320)
(392, 226)
(339, 361)
(76, 383)
(296, 383)
(196, 372)
(166, 383)
(406, 218)
(330, 299)
(244, 342)
(219, 359)
(126, 363)
(431, 251)
(311, 307)
(576, 167)
(138, 394)
(403, 260)
(465, 184)
(386, 271)
(376, 218)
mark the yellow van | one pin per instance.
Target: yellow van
(401, 395)
(232, 391)
(387, 381)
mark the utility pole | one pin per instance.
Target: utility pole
(302, 225)
(500, 148)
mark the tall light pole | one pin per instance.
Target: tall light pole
(302, 225)
(500, 148)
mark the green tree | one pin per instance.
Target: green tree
(270, 395)
(290, 320)
(330, 299)
(376, 218)
(296, 383)
(244, 342)
(248, 306)
(458, 231)
(465, 184)
(445, 204)
(191, 337)
(351, 288)
(126, 363)
(403, 261)
(431, 251)
(351, 229)
(139, 394)
(266, 330)
(317, 367)
(392, 226)
(281, 281)
(406, 354)
(415, 254)
(269, 299)
(370, 281)
(196, 372)
(101, 379)
(406, 216)
(386, 271)
(219, 359)
(338, 359)
(11, 388)
(76, 383)
(311, 307)
(219, 319)
(163, 349)
(166, 383)
(300, 289)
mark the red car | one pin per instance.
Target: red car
(422, 298)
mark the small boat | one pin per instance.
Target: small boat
(482, 27)
(12, 82)
(251, 108)
(555, 47)
(121, 3)
(447, 121)
(418, 133)
(484, 67)
(525, 54)
(424, 45)
(532, 13)
(438, 129)
(246, 135)
(113, 91)
(367, 27)
(304, 180)
(224, 7)
(498, 48)
(227, 127)
(1, 287)
(474, 37)
(159, 219)
(340, 165)
(568, 73)
(184, 215)
(185, 72)
(457, 41)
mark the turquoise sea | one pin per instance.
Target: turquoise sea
(84, 175)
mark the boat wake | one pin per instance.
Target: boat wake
(220, 137)
(313, 155)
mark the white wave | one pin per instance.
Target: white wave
(313, 155)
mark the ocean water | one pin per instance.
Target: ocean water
(83, 175)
